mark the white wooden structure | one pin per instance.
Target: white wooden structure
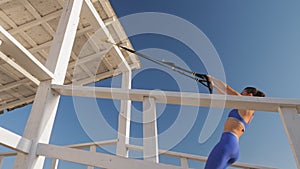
(40, 48)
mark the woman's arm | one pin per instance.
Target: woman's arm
(221, 87)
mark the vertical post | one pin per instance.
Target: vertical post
(54, 163)
(1, 158)
(291, 122)
(92, 149)
(184, 162)
(124, 118)
(40, 122)
(150, 130)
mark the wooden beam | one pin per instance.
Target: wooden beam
(150, 138)
(291, 121)
(8, 154)
(11, 47)
(16, 103)
(36, 22)
(4, 1)
(54, 164)
(109, 20)
(14, 141)
(1, 161)
(107, 7)
(91, 13)
(37, 16)
(7, 20)
(19, 68)
(98, 55)
(184, 162)
(13, 85)
(100, 143)
(92, 149)
(40, 122)
(47, 44)
(180, 98)
(197, 158)
(96, 159)
(40, 47)
(124, 118)
(105, 75)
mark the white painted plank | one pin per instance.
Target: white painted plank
(150, 130)
(97, 77)
(184, 162)
(91, 13)
(19, 68)
(184, 98)
(54, 163)
(291, 122)
(14, 141)
(34, 23)
(10, 46)
(124, 118)
(109, 20)
(8, 154)
(62, 45)
(4, 1)
(1, 161)
(97, 159)
(13, 84)
(107, 7)
(47, 44)
(88, 58)
(198, 158)
(17, 103)
(100, 143)
(38, 126)
(92, 149)
(41, 119)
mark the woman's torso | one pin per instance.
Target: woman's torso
(235, 126)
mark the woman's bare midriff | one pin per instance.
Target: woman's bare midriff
(234, 126)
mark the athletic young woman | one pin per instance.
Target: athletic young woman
(226, 151)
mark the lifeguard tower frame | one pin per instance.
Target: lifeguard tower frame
(40, 46)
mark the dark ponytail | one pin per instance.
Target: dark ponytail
(260, 94)
(255, 92)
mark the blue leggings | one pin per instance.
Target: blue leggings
(225, 153)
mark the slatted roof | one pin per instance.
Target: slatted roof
(32, 24)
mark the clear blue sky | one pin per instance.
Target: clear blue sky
(257, 43)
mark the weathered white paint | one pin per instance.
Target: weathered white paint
(1, 161)
(181, 98)
(291, 122)
(150, 139)
(19, 68)
(124, 118)
(97, 159)
(92, 149)
(14, 141)
(22, 57)
(41, 119)
(90, 12)
(196, 158)
(54, 163)
(184, 162)
(43, 113)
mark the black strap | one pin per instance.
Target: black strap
(206, 79)
(201, 78)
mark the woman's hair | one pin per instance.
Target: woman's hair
(254, 91)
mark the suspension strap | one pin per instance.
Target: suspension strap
(201, 78)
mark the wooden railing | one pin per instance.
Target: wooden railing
(183, 157)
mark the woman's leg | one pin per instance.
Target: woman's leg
(224, 153)
(218, 157)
